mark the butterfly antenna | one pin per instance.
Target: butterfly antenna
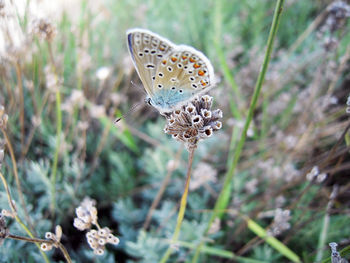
(132, 109)
(138, 86)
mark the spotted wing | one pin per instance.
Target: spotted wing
(147, 50)
(183, 74)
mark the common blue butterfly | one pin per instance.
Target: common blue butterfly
(172, 75)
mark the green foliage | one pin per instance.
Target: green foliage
(123, 167)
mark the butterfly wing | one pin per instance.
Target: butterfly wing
(183, 74)
(147, 50)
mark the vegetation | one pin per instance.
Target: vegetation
(272, 185)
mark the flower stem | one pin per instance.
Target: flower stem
(19, 221)
(18, 183)
(225, 194)
(182, 209)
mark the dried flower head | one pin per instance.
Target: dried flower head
(97, 239)
(336, 16)
(280, 222)
(86, 217)
(338, 12)
(44, 29)
(194, 121)
(53, 82)
(315, 175)
(335, 257)
(56, 237)
(86, 214)
(215, 226)
(46, 246)
(4, 232)
(7, 213)
(3, 117)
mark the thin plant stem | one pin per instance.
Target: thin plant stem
(40, 241)
(182, 209)
(19, 221)
(225, 193)
(18, 183)
(58, 135)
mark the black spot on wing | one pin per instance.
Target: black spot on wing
(130, 46)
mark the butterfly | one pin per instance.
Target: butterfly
(171, 74)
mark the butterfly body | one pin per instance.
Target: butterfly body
(171, 74)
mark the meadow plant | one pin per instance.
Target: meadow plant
(270, 184)
(86, 218)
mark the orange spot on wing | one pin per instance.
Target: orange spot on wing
(164, 62)
(161, 48)
(173, 59)
(196, 65)
(200, 72)
(184, 57)
(203, 83)
(192, 60)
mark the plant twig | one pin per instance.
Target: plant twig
(19, 221)
(182, 209)
(18, 183)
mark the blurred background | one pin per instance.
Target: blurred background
(66, 74)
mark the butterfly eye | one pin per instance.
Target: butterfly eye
(170, 69)
(153, 77)
(180, 90)
(179, 65)
(146, 51)
(160, 86)
(173, 88)
(194, 86)
(173, 79)
(140, 54)
(150, 66)
(160, 74)
(191, 78)
(160, 55)
(153, 51)
(190, 72)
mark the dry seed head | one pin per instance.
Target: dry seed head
(58, 233)
(102, 241)
(86, 214)
(112, 239)
(194, 121)
(99, 251)
(49, 235)
(3, 117)
(7, 213)
(44, 29)
(46, 246)
(104, 232)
